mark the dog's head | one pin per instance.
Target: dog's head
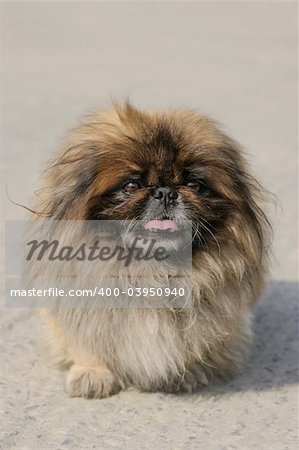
(163, 169)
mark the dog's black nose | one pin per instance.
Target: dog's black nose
(165, 195)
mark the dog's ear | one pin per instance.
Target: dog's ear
(253, 198)
(248, 227)
(67, 181)
(250, 195)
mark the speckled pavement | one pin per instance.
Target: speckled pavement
(234, 60)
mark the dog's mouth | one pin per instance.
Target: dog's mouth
(163, 231)
(161, 226)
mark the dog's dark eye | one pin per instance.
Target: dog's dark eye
(131, 186)
(194, 185)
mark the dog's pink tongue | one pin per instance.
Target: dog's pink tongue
(161, 225)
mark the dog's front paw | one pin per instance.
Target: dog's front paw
(191, 380)
(91, 382)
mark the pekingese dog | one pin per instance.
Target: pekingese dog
(164, 169)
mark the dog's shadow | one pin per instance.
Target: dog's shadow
(274, 359)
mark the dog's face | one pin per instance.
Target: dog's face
(164, 169)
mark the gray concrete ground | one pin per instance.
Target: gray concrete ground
(236, 61)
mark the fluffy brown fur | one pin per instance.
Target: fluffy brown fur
(160, 349)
